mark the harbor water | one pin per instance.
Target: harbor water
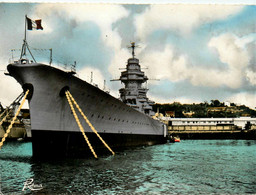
(188, 167)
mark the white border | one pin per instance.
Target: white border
(223, 2)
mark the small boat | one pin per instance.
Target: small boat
(174, 139)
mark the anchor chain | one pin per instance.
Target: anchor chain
(14, 118)
(89, 123)
(79, 124)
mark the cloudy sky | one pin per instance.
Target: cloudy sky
(199, 52)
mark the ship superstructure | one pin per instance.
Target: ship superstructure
(134, 94)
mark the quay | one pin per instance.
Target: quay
(21, 128)
(212, 128)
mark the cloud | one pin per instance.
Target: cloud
(246, 39)
(244, 98)
(10, 89)
(251, 76)
(92, 75)
(104, 16)
(95, 36)
(80, 13)
(233, 52)
(165, 64)
(229, 51)
(82, 32)
(166, 100)
(180, 18)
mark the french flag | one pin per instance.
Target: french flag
(31, 24)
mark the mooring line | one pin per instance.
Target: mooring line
(89, 123)
(12, 122)
(79, 124)
(3, 113)
(7, 114)
(8, 108)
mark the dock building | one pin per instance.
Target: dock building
(212, 128)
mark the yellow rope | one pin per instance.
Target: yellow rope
(79, 124)
(89, 123)
(3, 113)
(4, 118)
(14, 118)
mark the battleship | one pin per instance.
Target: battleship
(122, 123)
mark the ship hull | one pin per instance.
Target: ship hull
(55, 144)
(53, 124)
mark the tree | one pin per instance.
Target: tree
(215, 103)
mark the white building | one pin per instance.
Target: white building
(239, 122)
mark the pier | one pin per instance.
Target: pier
(212, 128)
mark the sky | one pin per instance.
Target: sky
(198, 52)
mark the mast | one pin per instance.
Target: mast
(23, 50)
(91, 78)
(25, 44)
(133, 48)
(51, 56)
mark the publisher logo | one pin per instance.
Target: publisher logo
(29, 184)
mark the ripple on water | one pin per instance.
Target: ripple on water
(188, 167)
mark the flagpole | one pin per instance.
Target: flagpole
(25, 44)
(25, 37)
(23, 50)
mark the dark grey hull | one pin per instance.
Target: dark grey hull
(54, 144)
(50, 112)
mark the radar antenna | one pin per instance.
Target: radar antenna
(133, 48)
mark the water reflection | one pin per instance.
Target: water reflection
(106, 175)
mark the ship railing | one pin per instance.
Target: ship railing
(20, 61)
(11, 61)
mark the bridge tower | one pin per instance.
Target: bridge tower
(133, 94)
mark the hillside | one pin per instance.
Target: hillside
(215, 109)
